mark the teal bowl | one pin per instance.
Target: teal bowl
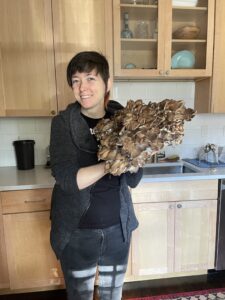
(183, 60)
(130, 66)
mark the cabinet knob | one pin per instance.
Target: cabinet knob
(171, 206)
(53, 112)
(161, 72)
(179, 205)
(167, 72)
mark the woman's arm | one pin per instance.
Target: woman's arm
(65, 161)
(89, 175)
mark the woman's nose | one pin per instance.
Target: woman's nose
(83, 85)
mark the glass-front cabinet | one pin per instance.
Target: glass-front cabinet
(164, 38)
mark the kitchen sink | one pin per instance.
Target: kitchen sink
(167, 169)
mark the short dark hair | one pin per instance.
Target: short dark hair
(87, 61)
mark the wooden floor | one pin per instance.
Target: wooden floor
(144, 288)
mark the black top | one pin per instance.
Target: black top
(104, 209)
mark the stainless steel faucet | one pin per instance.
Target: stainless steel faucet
(157, 156)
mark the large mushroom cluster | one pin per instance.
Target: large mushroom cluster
(133, 134)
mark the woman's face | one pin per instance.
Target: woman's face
(89, 90)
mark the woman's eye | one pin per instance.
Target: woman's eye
(75, 81)
(90, 78)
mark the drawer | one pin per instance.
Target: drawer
(26, 200)
(175, 191)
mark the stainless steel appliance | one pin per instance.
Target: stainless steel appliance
(220, 235)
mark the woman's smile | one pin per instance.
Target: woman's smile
(83, 97)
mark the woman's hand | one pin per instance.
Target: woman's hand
(89, 175)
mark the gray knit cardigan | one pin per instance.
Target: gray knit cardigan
(72, 147)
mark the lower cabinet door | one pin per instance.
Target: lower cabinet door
(129, 268)
(153, 240)
(195, 235)
(4, 276)
(174, 237)
(31, 261)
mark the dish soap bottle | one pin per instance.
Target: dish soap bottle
(126, 33)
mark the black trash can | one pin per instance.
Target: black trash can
(24, 150)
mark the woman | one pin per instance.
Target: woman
(92, 214)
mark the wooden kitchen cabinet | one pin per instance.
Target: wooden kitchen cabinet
(27, 58)
(31, 261)
(151, 55)
(195, 235)
(153, 241)
(2, 99)
(177, 228)
(209, 93)
(4, 275)
(37, 40)
(79, 25)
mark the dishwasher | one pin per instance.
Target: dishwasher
(220, 233)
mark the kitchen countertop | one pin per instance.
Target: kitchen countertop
(40, 177)
(13, 179)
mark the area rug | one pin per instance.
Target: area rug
(211, 294)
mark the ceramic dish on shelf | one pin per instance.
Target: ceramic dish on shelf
(188, 3)
(130, 66)
(184, 59)
(186, 32)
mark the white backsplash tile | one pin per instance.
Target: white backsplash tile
(203, 129)
(9, 126)
(162, 90)
(191, 136)
(11, 129)
(7, 140)
(26, 127)
(137, 89)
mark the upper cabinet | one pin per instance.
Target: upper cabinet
(27, 74)
(79, 25)
(37, 40)
(149, 36)
(2, 99)
(209, 93)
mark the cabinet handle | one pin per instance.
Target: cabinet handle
(167, 72)
(33, 201)
(53, 112)
(179, 205)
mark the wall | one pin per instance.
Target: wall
(12, 129)
(204, 128)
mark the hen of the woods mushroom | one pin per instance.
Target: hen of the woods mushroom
(133, 134)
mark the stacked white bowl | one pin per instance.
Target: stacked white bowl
(185, 3)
